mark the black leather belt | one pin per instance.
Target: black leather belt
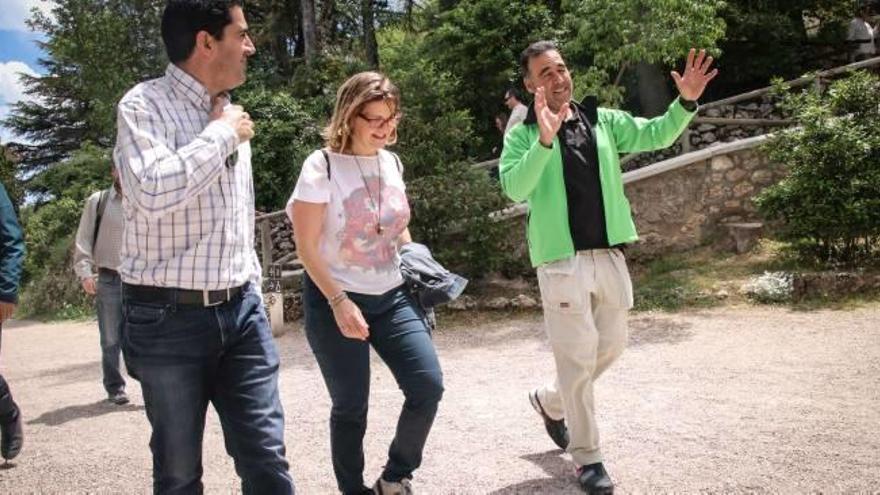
(168, 295)
(107, 271)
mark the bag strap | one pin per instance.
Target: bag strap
(327, 160)
(399, 165)
(102, 205)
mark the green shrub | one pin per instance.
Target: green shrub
(829, 204)
(287, 131)
(451, 216)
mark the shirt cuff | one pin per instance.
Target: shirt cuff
(689, 105)
(224, 135)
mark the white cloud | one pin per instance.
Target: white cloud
(14, 12)
(11, 90)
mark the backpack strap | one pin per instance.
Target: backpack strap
(99, 215)
(397, 160)
(327, 160)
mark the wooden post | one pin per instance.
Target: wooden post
(266, 240)
(686, 141)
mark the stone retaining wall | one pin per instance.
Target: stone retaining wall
(687, 207)
(705, 135)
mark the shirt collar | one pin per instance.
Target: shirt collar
(185, 84)
(587, 109)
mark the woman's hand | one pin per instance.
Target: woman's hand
(350, 320)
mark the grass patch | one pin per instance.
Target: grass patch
(704, 277)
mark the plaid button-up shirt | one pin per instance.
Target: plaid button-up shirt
(188, 189)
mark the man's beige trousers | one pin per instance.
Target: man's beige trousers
(586, 299)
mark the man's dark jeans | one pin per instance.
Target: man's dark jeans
(399, 334)
(109, 306)
(188, 356)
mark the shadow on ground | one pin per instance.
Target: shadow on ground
(648, 330)
(560, 476)
(74, 373)
(71, 413)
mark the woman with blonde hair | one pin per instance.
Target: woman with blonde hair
(350, 213)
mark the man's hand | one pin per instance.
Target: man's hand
(6, 310)
(549, 121)
(89, 286)
(235, 116)
(696, 75)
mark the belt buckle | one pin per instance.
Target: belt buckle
(206, 298)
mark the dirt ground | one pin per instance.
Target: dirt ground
(726, 401)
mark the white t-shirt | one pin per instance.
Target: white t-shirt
(360, 258)
(861, 30)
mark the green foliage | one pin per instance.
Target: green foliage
(830, 202)
(434, 132)
(287, 130)
(753, 27)
(86, 171)
(51, 288)
(450, 214)
(480, 43)
(96, 50)
(613, 35)
(668, 285)
(7, 176)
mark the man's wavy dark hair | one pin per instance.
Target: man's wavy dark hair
(533, 50)
(183, 19)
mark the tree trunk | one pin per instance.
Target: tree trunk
(370, 46)
(310, 41)
(408, 9)
(327, 22)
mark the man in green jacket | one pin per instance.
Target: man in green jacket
(563, 160)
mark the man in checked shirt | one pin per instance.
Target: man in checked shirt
(195, 331)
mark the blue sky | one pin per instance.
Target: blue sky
(18, 52)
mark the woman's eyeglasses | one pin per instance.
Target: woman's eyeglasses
(379, 122)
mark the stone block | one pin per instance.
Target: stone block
(762, 177)
(742, 189)
(722, 163)
(735, 175)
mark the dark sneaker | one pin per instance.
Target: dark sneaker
(555, 427)
(119, 398)
(595, 480)
(11, 436)
(402, 487)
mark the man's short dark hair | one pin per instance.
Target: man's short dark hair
(512, 92)
(532, 51)
(183, 19)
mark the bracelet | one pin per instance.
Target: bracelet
(338, 298)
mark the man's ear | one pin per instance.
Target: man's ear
(527, 82)
(204, 42)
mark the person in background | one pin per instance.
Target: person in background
(96, 261)
(860, 35)
(11, 259)
(518, 110)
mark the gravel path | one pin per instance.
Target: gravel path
(728, 400)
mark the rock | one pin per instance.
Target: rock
(498, 303)
(742, 189)
(721, 163)
(713, 112)
(762, 177)
(523, 301)
(735, 175)
(462, 303)
(706, 127)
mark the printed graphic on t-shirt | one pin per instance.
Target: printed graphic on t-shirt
(361, 243)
